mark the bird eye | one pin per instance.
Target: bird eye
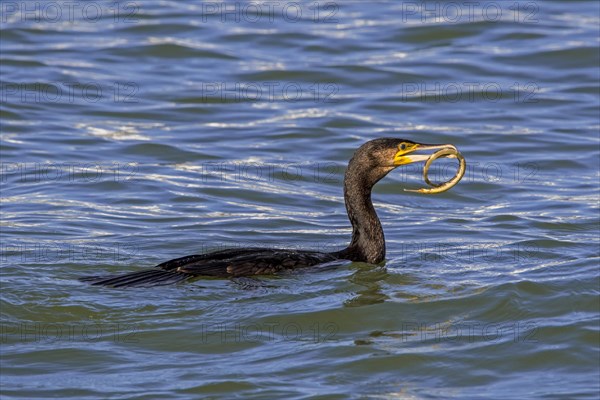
(403, 146)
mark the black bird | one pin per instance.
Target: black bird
(371, 162)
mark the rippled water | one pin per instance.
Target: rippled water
(137, 132)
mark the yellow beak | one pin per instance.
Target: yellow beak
(404, 157)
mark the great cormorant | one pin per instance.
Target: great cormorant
(370, 163)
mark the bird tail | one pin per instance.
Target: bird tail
(148, 277)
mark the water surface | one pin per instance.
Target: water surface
(133, 133)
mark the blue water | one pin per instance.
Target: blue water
(137, 132)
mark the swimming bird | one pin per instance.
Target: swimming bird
(370, 163)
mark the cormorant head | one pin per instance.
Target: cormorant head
(374, 159)
(390, 153)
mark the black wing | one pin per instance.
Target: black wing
(224, 263)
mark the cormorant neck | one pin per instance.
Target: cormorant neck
(368, 241)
